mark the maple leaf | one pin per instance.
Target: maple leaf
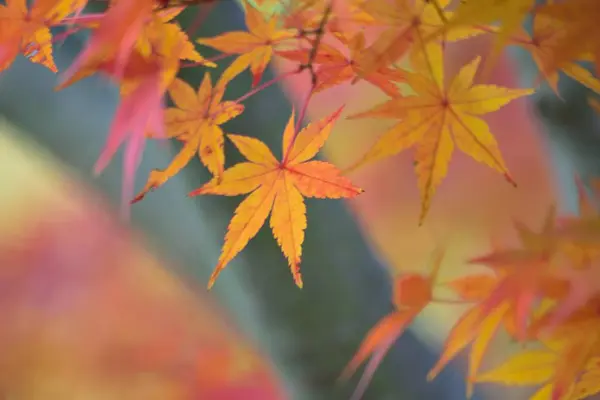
(335, 68)
(255, 47)
(526, 273)
(412, 293)
(547, 34)
(478, 325)
(436, 118)
(196, 122)
(277, 187)
(581, 31)
(27, 31)
(499, 300)
(577, 259)
(405, 25)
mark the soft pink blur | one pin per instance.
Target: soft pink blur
(88, 313)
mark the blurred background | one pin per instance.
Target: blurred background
(94, 308)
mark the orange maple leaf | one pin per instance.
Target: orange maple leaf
(577, 259)
(27, 31)
(405, 25)
(412, 293)
(437, 117)
(196, 122)
(581, 31)
(546, 36)
(526, 273)
(335, 68)
(255, 47)
(476, 326)
(277, 187)
(500, 301)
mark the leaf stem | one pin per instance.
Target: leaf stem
(303, 110)
(266, 85)
(63, 35)
(82, 19)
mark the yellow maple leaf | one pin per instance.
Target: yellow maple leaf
(196, 121)
(581, 31)
(278, 188)
(438, 117)
(152, 29)
(547, 34)
(255, 47)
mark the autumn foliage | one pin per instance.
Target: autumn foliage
(542, 291)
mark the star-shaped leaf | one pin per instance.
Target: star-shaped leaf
(438, 117)
(196, 121)
(255, 47)
(278, 188)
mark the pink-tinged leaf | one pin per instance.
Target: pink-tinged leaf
(140, 111)
(376, 344)
(115, 36)
(8, 51)
(371, 368)
(583, 287)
